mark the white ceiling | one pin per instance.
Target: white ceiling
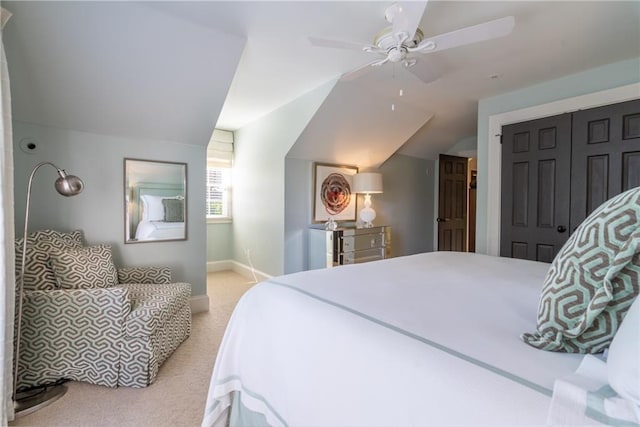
(172, 70)
(121, 69)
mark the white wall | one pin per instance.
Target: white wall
(219, 241)
(544, 94)
(298, 213)
(259, 181)
(99, 209)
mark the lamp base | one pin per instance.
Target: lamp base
(367, 215)
(31, 401)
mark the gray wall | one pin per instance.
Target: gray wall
(606, 77)
(99, 209)
(406, 205)
(465, 147)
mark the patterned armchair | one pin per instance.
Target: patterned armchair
(84, 320)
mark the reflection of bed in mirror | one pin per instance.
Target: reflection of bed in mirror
(157, 211)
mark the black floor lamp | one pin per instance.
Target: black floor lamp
(27, 402)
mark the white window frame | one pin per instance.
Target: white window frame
(220, 155)
(226, 196)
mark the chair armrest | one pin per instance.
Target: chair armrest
(150, 275)
(111, 303)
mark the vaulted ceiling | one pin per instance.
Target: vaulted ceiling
(174, 70)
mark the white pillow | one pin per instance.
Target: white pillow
(152, 207)
(623, 362)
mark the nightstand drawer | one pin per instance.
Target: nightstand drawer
(348, 245)
(363, 256)
(361, 242)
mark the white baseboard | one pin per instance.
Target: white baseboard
(249, 272)
(199, 304)
(239, 268)
(219, 265)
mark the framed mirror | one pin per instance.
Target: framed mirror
(155, 201)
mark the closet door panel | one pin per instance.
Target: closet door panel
(536, 158)
(631, 170)
(605, 156)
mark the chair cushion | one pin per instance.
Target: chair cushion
(38, 273)
(153, 305)
(593, 280)
(84, 268)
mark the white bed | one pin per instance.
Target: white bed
(159, 230)
(149, 222)
(428, 339)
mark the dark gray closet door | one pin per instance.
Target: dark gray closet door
(536, 160)
(606, 156)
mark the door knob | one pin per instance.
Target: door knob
(442, 219)
(562, 229)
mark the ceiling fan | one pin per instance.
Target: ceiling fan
(404, 43)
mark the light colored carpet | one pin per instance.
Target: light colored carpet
(177, 397)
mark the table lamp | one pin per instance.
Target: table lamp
(367, 183)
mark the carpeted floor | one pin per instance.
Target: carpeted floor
(177, 398)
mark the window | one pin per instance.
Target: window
(219, 161)
(218, 192)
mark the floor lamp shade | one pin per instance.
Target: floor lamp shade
(27, 402)
(367, 183)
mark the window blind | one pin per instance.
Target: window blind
(220, 148)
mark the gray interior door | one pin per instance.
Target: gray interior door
(606, 156)
(452, 204)
(536, 160)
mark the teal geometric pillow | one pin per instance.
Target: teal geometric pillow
(38, 274)
(593, 280)
(84, 268)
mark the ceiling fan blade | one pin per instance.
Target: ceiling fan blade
(339, 44)
(426, 71)
(468, 35)
(405, 16)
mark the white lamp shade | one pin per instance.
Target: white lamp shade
(367, 182)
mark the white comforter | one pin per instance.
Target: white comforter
(152, 230)
(429, 339)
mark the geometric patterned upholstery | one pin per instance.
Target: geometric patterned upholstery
(113, 336)
(72, 334)
(84, 268)
(152, 304)
(38, 273)
(593, 280)
(159, 321)
(144, 275)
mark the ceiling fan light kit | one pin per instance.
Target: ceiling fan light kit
(403, 42)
